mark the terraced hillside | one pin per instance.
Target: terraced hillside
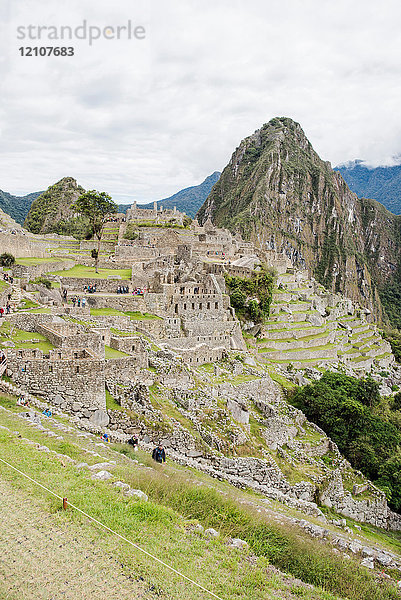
(310, 326)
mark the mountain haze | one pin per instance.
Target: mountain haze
(278, 192)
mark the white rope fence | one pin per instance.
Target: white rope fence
(198, 585)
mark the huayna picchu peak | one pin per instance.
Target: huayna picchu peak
(277, 192)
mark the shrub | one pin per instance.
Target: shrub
(7, 259)
(349, 411)
(43, 281)
(256, 289)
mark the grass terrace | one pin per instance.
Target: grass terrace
(24, 339)
(81, 271)
(134, 315)
(38, 261)
(112, 353)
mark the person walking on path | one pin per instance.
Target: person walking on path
(159, 454)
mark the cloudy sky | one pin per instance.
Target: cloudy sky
(143, 118)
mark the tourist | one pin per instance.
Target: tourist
(79, 302)
(47, 412)
(1, 311)
(134, 442)
(159, 454)
(74, 301)
(83, 302)
(105, 438)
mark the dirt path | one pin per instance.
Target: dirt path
(43, 559)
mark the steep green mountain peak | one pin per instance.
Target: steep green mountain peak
(278, 193)
(51, 211)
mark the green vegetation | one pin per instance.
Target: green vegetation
(393, 336)
(96, 207)
(172, 224)
(7, 259)
(131, 233)
(33, 260)
(366, 428)
(160, 530)
(51, 211)
(251, 296)
(27, 304)
(112, 353)
(98, 312)
(177, 502)
(82, 271)
(23, 339)
(111, 402)
(136, 315)
(3, 285)
(43, 281)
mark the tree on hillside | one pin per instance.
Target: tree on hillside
(97, 206)
(7, 259)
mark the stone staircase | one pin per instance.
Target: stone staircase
(309, 325)
(16, 295)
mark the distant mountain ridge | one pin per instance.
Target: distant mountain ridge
(188, 200)
(17, 207)
(56, 202)
(380, 183)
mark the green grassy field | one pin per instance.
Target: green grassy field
(112, 353)
(22, 339)
(37, 261)
(82, 271)
(166, 525)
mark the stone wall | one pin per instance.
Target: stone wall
(29, 272)
(28, 321)
(198, 354)
(131, 345)
(121, 302)
(129, 251)
(373, 510)
(72, 379)
(109, 286)
(22, 246)
(124, 369)
(66, 336)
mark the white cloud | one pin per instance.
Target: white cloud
(141, 119)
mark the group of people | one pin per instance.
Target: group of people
(78, 301)
(47, 412)
(5, 310)
(8, 278)
(123, 289)
(158, 453)
(22, 401)
(91, 289)
(138, 291)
